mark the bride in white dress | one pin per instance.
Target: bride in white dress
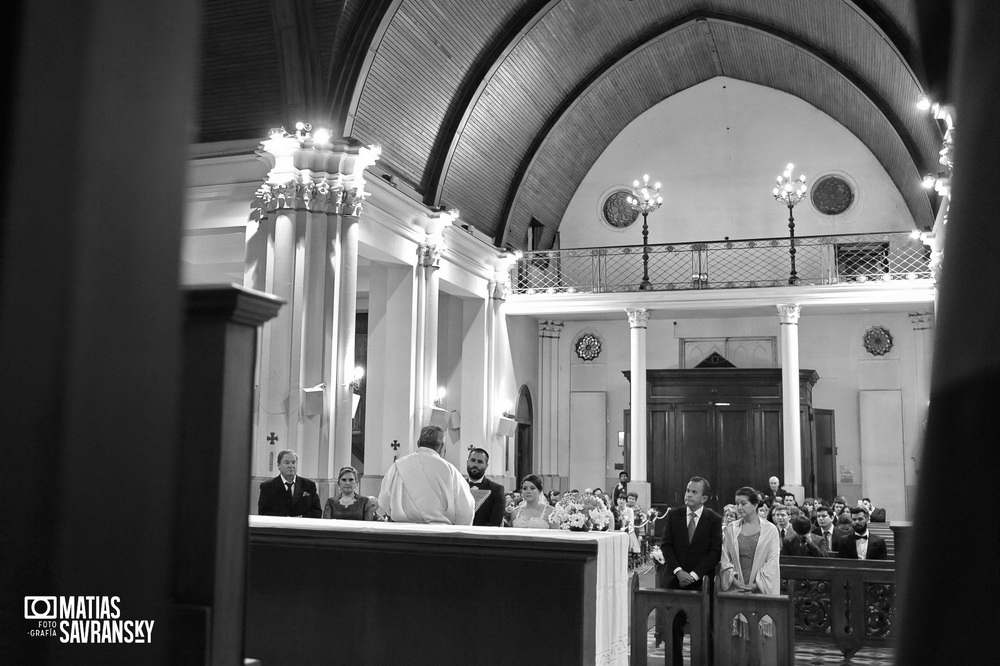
(533, 511)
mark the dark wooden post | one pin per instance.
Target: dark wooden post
(220, 348)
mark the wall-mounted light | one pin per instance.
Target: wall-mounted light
(439, 400)
(923, 102)
(929, 181)
(355, 383)
(508, 410)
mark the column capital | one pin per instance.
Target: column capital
(788, 313)
(549, 329)
(922, 321)
(313, 175)
(637, 317)
(430, 252)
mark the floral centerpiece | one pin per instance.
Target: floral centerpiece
(581, 513)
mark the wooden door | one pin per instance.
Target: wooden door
(690, 449)
(737, 453)
(826, 454)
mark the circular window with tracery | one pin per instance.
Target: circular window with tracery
(617, 211)
(832, 195)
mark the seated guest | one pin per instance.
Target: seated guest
(347, 504)
(839, 505)
(775, 493)
(728, 514)
(781, 521)
(789, 499)
(827, 535)
(764, 512)
(808, 505)
(876, 515)
(862, 545)
(801, 543)
(288, 494)
(842, 527)
(533, 512)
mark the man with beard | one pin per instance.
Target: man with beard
(487, 494)
(861, 545)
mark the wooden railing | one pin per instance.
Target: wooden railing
(753, 629)
(850, 603)
(667, 603)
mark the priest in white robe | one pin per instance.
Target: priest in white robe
(423, 487)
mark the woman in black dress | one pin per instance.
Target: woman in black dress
(348, 504)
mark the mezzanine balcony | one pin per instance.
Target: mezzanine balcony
(857, 260)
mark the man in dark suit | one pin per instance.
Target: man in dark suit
(289, 494)
(621, 490)
(487, 494)
(862, 545)
(827, 535)
(692, 547)
(801, 543)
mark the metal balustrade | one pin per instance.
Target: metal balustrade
(762, 262)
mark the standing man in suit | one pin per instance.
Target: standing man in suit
(487, 494)
(692, 547)
(862, 545)
(289, 494)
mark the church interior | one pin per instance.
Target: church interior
(699, 238)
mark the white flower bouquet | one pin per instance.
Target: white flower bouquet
(657, 555)
(581, 513)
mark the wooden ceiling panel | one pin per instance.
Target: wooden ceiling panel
(420, 65)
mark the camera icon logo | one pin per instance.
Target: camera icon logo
(40, 608)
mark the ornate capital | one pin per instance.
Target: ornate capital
(430, 254)
(637, 317)
(922, 321)
(498, 289)
(788, 313)
(549, 329)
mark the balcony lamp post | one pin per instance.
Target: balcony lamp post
(645, 200)
(790, 192)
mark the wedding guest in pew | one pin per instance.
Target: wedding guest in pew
(789, 500)
(423, 487)
(751, 549)
(801, 543)
(842, 526)
(533, 512)
(764, 512)
(862, 545)
(487, 494)
(692, 544)
(288, 494)
(782, 522)
(839, 506)
(347, 504)
(875, 515)
(728, 514)
(827, 536)
(751, 563)
(775, 494)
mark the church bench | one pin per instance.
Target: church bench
(848, 603)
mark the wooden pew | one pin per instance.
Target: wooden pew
(849, 603)
(754, 647)
(697, 606)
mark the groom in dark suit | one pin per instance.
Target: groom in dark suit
(692, 547)
(289, 494)
(487, 494)
(861, 544)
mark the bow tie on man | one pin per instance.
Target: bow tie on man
(861, 536)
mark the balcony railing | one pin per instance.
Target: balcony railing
(761, 262)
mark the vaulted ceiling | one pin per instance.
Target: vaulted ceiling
(500, 107)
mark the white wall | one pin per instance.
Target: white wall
(828, 343)
(717, 148)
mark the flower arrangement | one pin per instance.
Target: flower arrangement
(580, 512)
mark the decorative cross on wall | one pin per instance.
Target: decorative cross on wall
(395, 447)
(471, 446)
(272, 438)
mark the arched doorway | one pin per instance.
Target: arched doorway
(523, 451)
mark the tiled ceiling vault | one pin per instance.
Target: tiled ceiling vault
(477, 103)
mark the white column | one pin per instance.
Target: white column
(547, 449)
(341, 432)
(791, 425)
(302, 246)
(637, 319)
